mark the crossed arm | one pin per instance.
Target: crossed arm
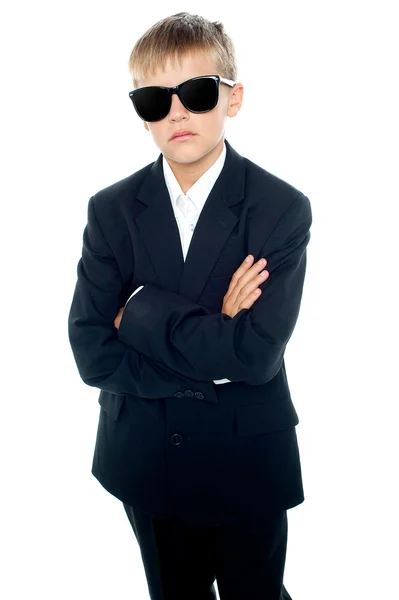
(167, 327)
(164, 339)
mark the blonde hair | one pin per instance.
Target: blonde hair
(180, 35)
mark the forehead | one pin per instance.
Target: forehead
(177, 70)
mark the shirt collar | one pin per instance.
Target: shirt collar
(201, 189)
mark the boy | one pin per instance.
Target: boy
(165, 321)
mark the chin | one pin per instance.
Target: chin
(184, 152)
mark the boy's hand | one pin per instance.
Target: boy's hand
(119, 317)
(243, 289)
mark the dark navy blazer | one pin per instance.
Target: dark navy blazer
(170, 440)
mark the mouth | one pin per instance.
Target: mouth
(183, 137)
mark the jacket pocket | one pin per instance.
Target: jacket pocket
(256, 419)
(111, 403)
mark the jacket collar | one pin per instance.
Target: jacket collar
(157, 225)
(198, 192)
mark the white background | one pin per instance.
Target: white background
(320, 111)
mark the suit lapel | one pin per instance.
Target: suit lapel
(160, 234)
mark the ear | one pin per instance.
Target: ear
(146, 126)
(235, 100)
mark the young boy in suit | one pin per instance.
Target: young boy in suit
(168, 318)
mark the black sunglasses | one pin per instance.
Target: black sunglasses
(198, 95)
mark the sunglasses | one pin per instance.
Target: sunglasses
(198, 95)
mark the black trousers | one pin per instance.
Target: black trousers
(182, 562)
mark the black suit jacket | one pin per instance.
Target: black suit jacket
(170, 440)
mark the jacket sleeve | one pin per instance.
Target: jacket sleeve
(250, 347)
(103, 361)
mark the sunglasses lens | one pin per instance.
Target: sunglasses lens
(153, 103)
(200, 95)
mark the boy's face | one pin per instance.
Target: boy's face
(207, 143)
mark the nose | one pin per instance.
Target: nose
(177, 110)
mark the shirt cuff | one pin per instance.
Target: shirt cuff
(135, 292)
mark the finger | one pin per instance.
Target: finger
(251, 292)
(250, 299)
(255, 269)
(251, 279)
(237, 275)
(245, 265)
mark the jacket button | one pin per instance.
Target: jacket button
(178, 395)
(199, 395)
(176, 439)
(189, 393)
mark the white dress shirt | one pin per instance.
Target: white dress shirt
(187, 207)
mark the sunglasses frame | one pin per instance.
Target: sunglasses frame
(176, 90)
